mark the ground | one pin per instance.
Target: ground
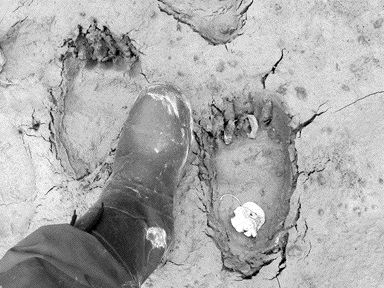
(60, 119)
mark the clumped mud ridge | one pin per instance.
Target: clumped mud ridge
(216, 23)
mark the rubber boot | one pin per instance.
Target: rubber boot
(133, 216)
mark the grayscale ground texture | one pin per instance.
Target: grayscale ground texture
(70, 71)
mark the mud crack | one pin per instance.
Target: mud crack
(315, 170)
(23, 4)
(304, 124)
(273, 69)
(360, 99)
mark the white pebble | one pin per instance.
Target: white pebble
(254, 126)
(248, 219)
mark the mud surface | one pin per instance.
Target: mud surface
(70, 72)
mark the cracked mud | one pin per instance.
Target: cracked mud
(68, 82)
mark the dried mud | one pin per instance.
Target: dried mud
(65, 92)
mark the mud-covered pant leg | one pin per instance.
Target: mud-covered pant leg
(61, 256)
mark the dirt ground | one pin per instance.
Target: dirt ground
(61, 113)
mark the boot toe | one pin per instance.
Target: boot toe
(155, 140)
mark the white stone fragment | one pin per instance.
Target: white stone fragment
(248, 219)
(254, 126)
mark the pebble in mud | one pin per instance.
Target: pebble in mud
(378, 23)
(301, 93)
(248, 219)
(220, 66)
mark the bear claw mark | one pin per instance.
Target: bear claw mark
(266, 113)
(98, 45)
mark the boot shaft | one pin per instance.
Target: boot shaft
(133, 216)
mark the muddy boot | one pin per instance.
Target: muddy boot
(133, 217)
(253, 181)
